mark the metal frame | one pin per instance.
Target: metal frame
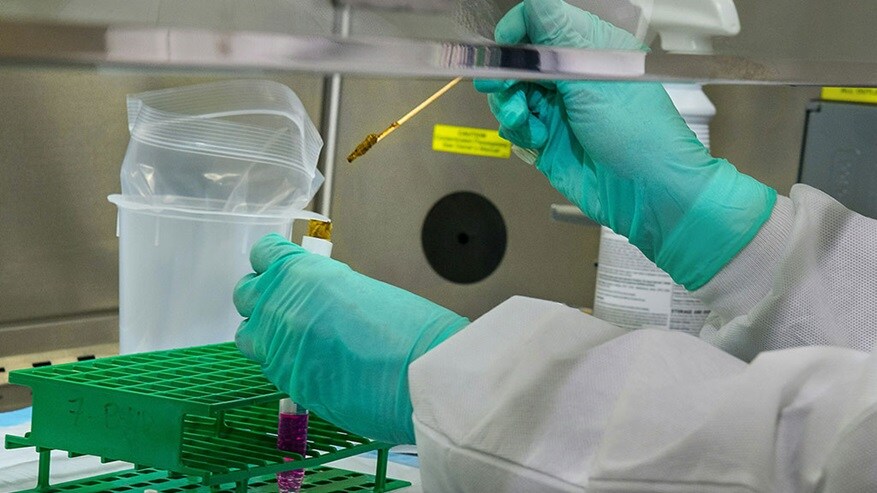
(152, 48)
(157, 47)
(57, 341)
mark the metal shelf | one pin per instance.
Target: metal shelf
(181, 48)
(780, 42)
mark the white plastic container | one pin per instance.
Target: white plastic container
(177, 272)
(209, 170)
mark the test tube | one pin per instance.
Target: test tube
(292, 436)
(292, 419)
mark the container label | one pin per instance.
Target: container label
(471, 141)
(633, 293)
(850, 94)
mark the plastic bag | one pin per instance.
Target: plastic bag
(244, 147)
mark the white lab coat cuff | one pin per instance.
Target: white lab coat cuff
(749, 277)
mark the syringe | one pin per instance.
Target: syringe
(292, 421)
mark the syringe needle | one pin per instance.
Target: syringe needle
(372, 139)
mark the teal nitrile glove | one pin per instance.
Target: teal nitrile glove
(621, 152)
(338, 342)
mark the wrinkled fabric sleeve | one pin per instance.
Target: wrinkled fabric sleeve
(808, 278)
(555, 400)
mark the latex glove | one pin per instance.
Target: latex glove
(338, 342)
(621, 152)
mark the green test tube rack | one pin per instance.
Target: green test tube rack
(203, 416)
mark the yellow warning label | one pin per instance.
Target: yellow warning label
(850, 94)
(471, 141)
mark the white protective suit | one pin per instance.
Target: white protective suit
(538, 397)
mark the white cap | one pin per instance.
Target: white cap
(317, 245)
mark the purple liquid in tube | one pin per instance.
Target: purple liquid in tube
(292, 436)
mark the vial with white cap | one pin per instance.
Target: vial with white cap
(292, 420)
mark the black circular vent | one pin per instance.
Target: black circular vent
(464, 237)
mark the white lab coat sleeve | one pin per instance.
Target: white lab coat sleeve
(536, 396)
(808, 278)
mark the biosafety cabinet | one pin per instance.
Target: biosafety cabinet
(357, 65)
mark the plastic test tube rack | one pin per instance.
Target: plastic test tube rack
(201, 418)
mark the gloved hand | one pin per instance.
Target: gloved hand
(339, 343)
(621, 152)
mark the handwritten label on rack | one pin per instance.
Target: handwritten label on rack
(470, 141)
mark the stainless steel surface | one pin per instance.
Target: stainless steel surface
(722, 69)
(380, 202)
(782, 41)
(427, 5)
(41, 336)
(571, 214)
(63, 135)
(60, 340)
(303, 17)
(151, 48)
(14, 397)
(808, 30)
(329, 128)
(761, 129)
(331, 110)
